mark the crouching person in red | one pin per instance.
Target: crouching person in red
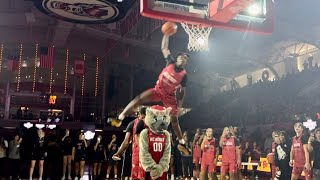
(230, 154)
(154, 143)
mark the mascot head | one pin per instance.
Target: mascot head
(157, 118)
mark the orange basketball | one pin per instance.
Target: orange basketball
(169, 28)
(270, 158)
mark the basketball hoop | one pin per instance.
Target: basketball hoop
(198, 36)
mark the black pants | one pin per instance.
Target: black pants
(14, 167)
(285, 170)
(187, 166)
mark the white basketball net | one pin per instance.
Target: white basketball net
(198, 36)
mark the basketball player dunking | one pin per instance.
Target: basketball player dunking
(170, 88)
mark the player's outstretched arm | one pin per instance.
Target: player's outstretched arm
(124, 144)
(165, 46)
(144, 155)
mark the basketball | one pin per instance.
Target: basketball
(270, 158)
(169, 28)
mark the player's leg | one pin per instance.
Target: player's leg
(176, 127)
(169, 101)
(144, 97)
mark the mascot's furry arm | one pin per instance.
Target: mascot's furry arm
(148, 164)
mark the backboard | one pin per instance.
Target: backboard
(242, 15)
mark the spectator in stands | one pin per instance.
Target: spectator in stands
(98, 157)
(255, 157)
(14, 157)
(314, 145)
(67, 154)
(53, 159)
(3, 156)
(79, 156)
(113, 148)
(39, 153)
(186, 159)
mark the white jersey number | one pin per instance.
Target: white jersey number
(157, 147)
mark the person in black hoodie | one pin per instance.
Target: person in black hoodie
(282, 156)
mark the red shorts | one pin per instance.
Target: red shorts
(167, 100)
(297, 170)
(137, 171)
(228, 167)
(196, 159)
(208, 167)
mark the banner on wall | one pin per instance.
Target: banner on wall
(78, 67)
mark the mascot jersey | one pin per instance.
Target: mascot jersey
(156, 148)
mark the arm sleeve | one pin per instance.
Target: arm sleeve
(144, 155)
(139, 127)
(129, 127)
(304, 139)
(184, 81)
(165, 159)
(169, 59)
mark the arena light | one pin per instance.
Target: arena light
(310, 124)
(98, 130)
(88, 135)
(40, 126)
(51, 126)
(28, 125)
(254, 9)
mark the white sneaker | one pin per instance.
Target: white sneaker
(76, 178)
(40, 178)
(63, 178)
(30, 178)
(172, 177)
(80, 178)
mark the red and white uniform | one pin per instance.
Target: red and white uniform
(299, 156)
(196, 155)
(208, 155)
(156, 149)
(229, 155)
(136, 170)
(168, 82)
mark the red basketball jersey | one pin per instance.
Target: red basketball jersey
(135, 147)
(209, 151)
(229, 150)
(169, 80)
(196, 150)
(299, 157)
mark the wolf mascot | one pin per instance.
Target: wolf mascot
(154, 143)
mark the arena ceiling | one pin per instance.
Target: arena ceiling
(231, 52)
